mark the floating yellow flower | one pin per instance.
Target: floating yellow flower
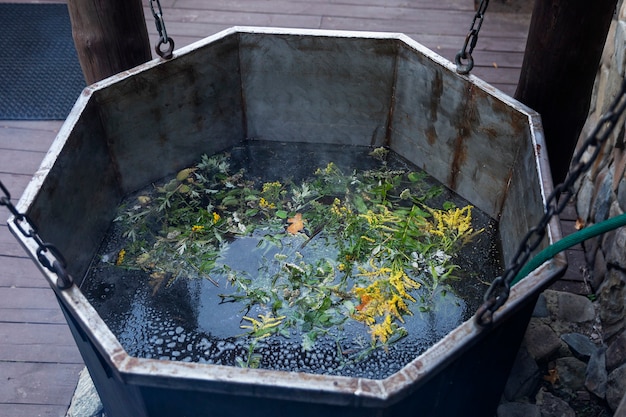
(397, 307)
(196, 228)
(270, 195)
(264, 204)
(383, 220)
(331, 168)
(339, 210)
(264, 327)
(382, 331)
(120, 257)
(271, 187)
(216, 217)
(385, 297)
(451, 225)
(401, 282)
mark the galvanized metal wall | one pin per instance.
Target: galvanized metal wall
(317, 90)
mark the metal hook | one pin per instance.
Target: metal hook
(462, 68)
(166, 54)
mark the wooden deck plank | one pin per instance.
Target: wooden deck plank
(321, 8)
(25, 143)
(9, 246)
(22, 139)
(32, 410)
(20, 335)
(235, 18)
(16, 184)
(20, 272)
(20, 161)
(431, 4)
(373, 18)
(37, 316)
(37, 383)
(426, 23)
(37, 342)
(27, 298)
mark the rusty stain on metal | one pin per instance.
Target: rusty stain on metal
(501, 200)
(518, 122)
(490, 132)
(392, 107)
(459, 156)
(435, 96)
(130, 361)
(431, 134)
(434, 109)
(466, 120)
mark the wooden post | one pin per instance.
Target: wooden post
(563, 51)
(110, 36)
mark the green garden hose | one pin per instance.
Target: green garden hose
(569, 241)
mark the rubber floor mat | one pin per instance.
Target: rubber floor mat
(40, 76)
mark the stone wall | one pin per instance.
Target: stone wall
(601, 194)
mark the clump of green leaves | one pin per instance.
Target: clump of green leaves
(334, 247)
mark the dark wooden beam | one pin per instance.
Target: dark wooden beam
(110, 36)
(563, 51)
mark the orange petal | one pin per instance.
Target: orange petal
(365, 300)
(296, 224)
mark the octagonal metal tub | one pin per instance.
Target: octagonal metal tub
(354, 88)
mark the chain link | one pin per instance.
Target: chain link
(498, 292)
(470, 41)
(47, 254)
(164, 40)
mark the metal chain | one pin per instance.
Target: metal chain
(47, 254)
(470, 40)
(157, 12)
(498, 292)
